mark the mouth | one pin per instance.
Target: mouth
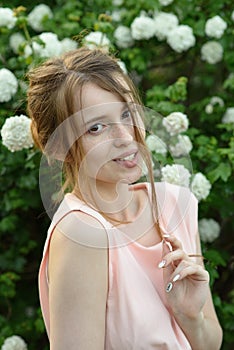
(129, 160)
(130, 157)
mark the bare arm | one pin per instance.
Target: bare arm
(78, 283)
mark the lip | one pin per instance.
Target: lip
(126, 154)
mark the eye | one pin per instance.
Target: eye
(126, 114)
(96, 129)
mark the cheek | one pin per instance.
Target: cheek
(96, 154)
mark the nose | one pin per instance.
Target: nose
(122, 134)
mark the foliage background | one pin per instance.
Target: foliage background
(23, 221)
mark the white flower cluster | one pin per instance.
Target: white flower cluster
(16, 133)
(209, 230)
(68, 44)
(175, 123)
(228, 116)
(14, 342)
(215, 100)
(117, 15)
(182, 147)
(176, 174)
(212, 52)
(7, 18)
(165, 26)
(181, 38)
(143, 27)
(122, 66)
(37, 15)
(117, 2)
(215, 27)
(16, 39)
(97, 40)
(200, 186)
(51, 46)
(164, 23)
(155, 144)
(123, 37)
(165, 2)
(8, 85)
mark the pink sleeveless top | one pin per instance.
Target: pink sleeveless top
(137, 316)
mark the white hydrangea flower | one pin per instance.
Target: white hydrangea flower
(176, 174)
(52, 46)
(16, 133)
(209, 230)
(181, 38)
(143, 28)
(228, 116)
(165, 2)
(117, 2)
(200, 186)
(37, 15)
(16, 39)
(212, 52)
(155, 144)
(68, 44)
(8, 85)
(97, 40)
(122, 66)
(7, 18)
(164, 23)
(117, 15)
(215, 27)
(182, 147)
(175, 123)
(217, 100)
(123, 37)
(14, 342)
(209, 108)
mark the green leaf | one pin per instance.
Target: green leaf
(222, 171)
(178, 91)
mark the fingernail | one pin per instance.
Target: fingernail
(162, 264)
(166, 236)
(176, 278)
(169, 287)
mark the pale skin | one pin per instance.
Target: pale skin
(78, 272)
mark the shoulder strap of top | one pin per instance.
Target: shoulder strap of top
(71, 203)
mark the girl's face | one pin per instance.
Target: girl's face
(108, 139)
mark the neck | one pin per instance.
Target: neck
(115, 200)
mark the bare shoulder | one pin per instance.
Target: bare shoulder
(79, 242)
(83, 229)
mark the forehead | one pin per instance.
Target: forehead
(93, 95)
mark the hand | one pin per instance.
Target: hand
(186, 282)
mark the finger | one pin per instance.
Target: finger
(173, 241)
(167, 265)
(173, 258)
(192, 271)
(196, 272)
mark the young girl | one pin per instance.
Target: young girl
(119, 269)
